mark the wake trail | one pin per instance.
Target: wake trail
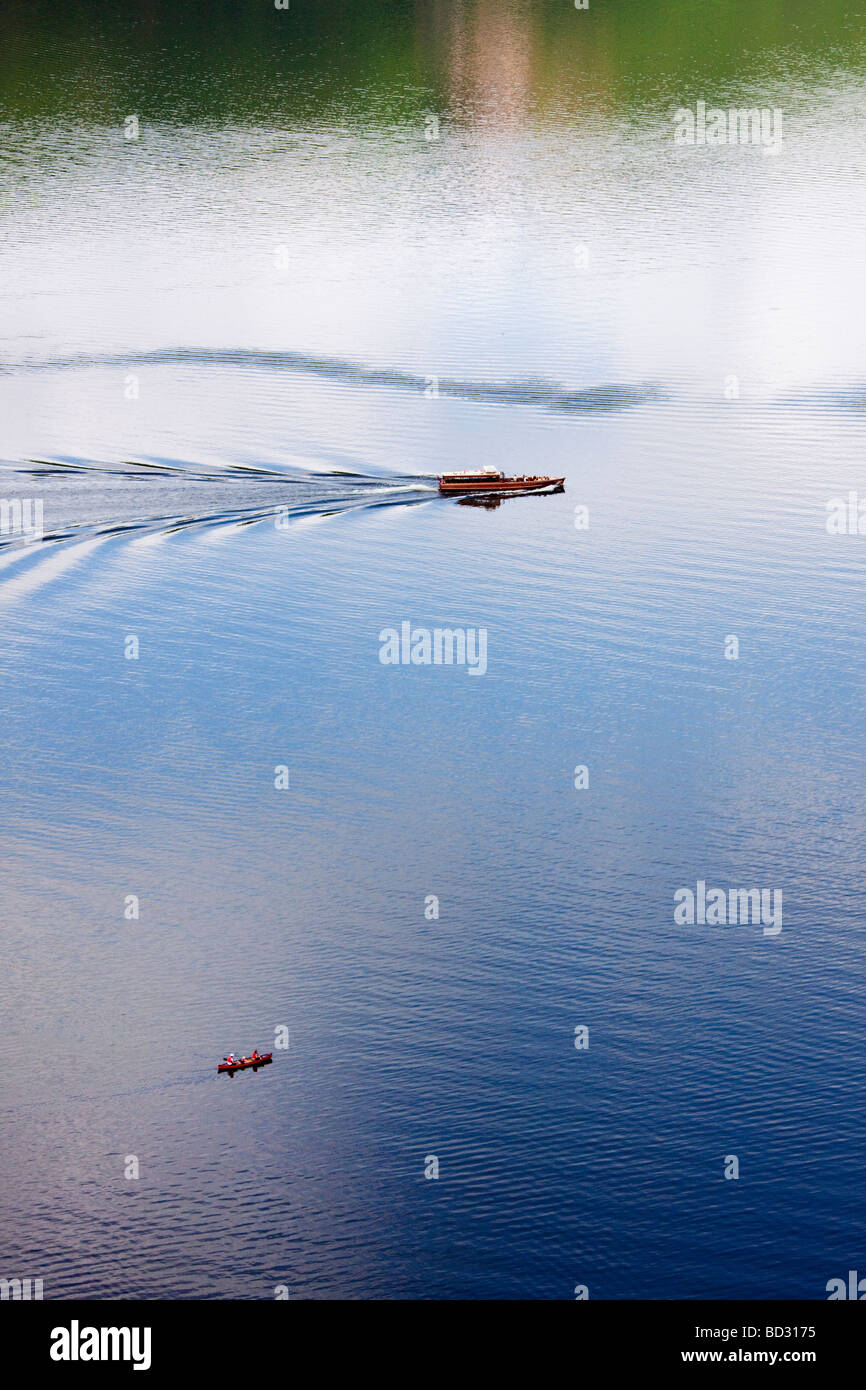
(527, 391)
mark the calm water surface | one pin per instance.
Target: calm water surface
(347, 251)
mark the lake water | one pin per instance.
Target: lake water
(339, 250)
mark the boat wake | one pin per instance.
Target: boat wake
(528, 391)
(62, 501)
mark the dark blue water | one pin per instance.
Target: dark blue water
(453, 1036)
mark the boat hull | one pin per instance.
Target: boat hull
(500, 487)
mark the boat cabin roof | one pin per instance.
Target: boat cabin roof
(475, 473)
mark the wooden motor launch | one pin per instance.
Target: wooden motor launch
(492, 481)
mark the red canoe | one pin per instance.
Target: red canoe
(246, 1062)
